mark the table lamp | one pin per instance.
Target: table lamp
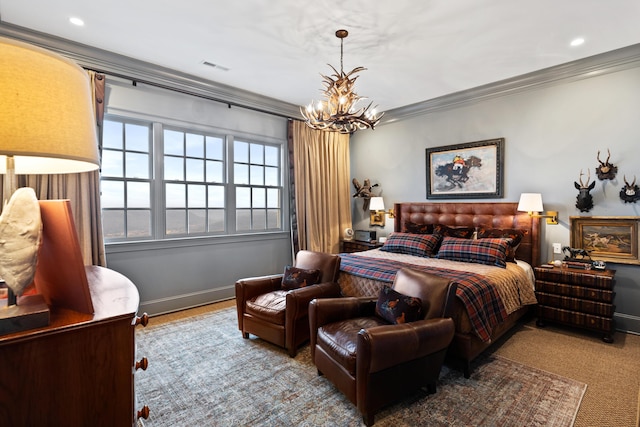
(47, 126)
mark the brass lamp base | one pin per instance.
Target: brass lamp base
(31, 312)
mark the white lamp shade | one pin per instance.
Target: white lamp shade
(376, 204)
(530, 202)
(47, 121)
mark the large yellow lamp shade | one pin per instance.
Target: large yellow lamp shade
(47, 121)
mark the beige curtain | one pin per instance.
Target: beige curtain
(82, 189)
(322, 176)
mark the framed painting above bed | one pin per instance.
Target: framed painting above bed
(472, 170)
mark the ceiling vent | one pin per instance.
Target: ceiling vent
(216, 66)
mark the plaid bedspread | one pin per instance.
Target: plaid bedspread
(479, 296)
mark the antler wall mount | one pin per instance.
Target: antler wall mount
(630, 193)
(606, 170)
(584, 200)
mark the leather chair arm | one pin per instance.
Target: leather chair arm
(329, 310)
(254, 286)
(298, 299)
(378, 346)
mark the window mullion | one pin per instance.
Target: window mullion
(230, 187)
(158, 196)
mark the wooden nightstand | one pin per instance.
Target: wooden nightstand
(575, 297)
(350, 246)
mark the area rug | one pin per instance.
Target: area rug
(203, 373)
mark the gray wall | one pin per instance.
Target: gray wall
(181, 273)
(551, 132)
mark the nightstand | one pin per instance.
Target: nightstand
(350, 246)
(576, 297)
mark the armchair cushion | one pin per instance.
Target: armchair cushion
(339, 339)
(269, 307)
(295, 278)
(395, 307)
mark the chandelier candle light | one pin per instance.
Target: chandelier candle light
(339, 113)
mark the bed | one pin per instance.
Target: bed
(492, 295)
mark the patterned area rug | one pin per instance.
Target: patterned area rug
(203, 373)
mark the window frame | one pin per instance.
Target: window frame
(158, 208)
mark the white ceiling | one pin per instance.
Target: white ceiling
(414, 50)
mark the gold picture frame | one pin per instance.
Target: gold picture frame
(605, 238)
(377, 218)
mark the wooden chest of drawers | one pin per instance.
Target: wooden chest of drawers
(574, 297)
(350, 246)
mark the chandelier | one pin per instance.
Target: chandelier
(338, 112)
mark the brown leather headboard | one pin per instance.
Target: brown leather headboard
(489, 215)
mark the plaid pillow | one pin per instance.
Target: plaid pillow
(395, 307)
(295, 278)
(507, 233)
(482, 251)
(423, 245)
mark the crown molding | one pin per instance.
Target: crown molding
(593, 66)
(129, 68)
(144, 72)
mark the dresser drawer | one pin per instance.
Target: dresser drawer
(603, 295)
(575, 318)
(575, 304)
(589, 278)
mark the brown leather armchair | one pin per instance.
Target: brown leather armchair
(281, 316)
(374, 362)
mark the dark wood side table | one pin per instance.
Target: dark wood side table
(78, 371)
(576, 297)
(350, 246)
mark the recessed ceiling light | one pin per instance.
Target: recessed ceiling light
(76, 21)
(577, 41)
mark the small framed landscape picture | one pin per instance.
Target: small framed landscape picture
(471, 170)
(611, 239)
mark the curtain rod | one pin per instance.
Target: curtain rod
(191, 93)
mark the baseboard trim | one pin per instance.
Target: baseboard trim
(186, 301)
(627, 323)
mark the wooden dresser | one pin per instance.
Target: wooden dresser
(78, 371)
(350, 246)
(576, 297)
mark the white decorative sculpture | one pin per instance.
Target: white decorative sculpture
(20, 235)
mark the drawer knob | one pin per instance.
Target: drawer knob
(144, 412)
(142, 320)
(142, 364)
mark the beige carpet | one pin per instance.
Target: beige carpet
(201, 372)
(611, 371)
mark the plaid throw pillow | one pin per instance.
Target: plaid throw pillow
(295, 278)
(423, 245)
(395, 307)
(481, 251)
(506, 233)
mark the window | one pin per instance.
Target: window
(193, 183)
(258, 191)
(196, 193)
(126, 180)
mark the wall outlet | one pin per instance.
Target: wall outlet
(557, 248)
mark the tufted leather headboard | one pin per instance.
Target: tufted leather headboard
(488, 215)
